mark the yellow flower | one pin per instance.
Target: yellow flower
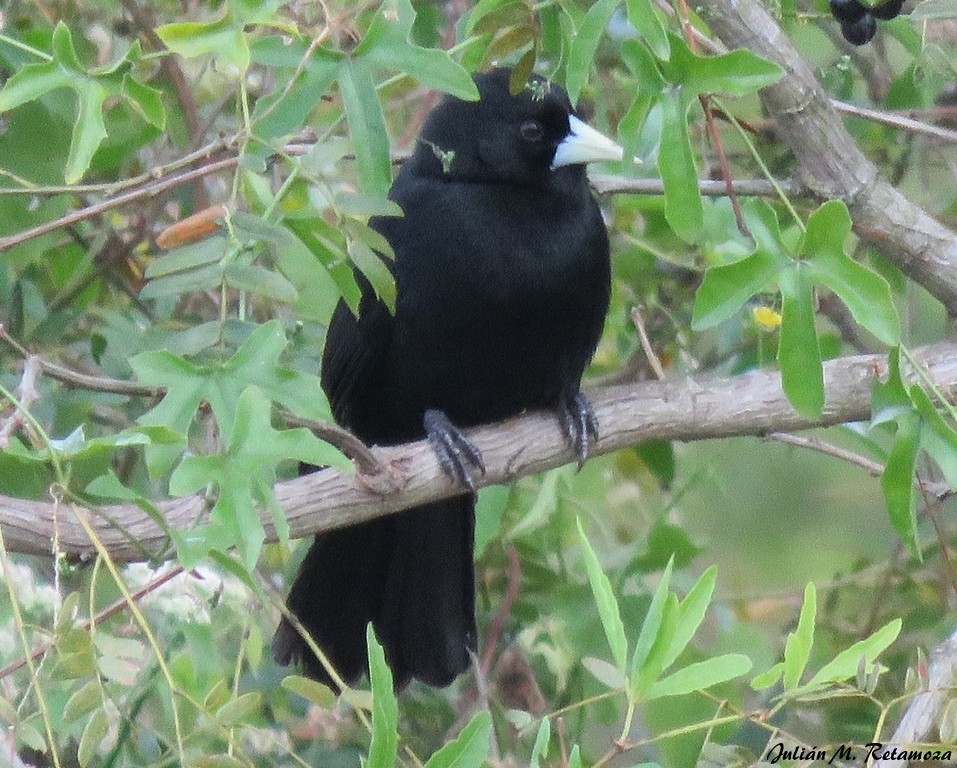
(766, 317)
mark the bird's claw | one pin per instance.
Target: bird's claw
(579, 425)
(455, 452)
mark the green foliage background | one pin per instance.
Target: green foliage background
(623, 647)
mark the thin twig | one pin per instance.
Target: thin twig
(82, 380)
(103, 615)
(649, 351)
(367, 463)
(873, 468)
(147, 191)
(504, 608)
(607, 184)
(896, 121)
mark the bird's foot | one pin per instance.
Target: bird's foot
(456, 454)
(579, 424)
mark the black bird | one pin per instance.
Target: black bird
(502, 276)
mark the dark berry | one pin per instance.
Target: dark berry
(860, 31)
(889, 10)
(846, 11)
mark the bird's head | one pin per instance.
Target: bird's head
(517, 138)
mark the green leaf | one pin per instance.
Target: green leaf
(665, 541)
(799, 354)
(606, 603)
(769, 678)
(644, 17)
(467, 750)
(690, 615)
(260, 281)
(375, 271)
(700, 675)
(553, 482)
(223, 38)
(31, 82)
(737, 73)
(726, 288)
(221, 760)
(629, 127)
(931, 10)
(385, 707)
(317, 236)
(147, 101)
(240, 709)
(244, 477)
(659, 457)
(89, 129)
(317, 294)
(947, 727)
(273, 118)
(866, 294)
(683, 209)
(847, 662)
(186, 258)
(388, 44)
(797, 649)
(358, 204)
(366, 234)
(29, 735)
(366, 126)
(202, 279)
(938, 438)
(482, 9)
(540, 749)
(255, 362)
(890, 398)
(643, 66)
(92, 737)
(64, 50)
(897, 480)
(575, 758)
(83, 701)
(489, 509)
(650, 630)
(311, 690)
(762, 221)
(584, 45)
(605, 673)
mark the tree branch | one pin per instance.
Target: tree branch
(922, 716)
(830, 164)
(679, 409)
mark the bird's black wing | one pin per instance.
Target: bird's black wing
(354, 356)
(409, 574)
(338, 588)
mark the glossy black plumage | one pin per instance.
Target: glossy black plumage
(502, 275)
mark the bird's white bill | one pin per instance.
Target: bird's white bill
(584, 144)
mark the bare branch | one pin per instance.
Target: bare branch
(683, 409)
(922, 717)
(873, 468)
(81, 380)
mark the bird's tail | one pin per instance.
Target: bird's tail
(410, 574)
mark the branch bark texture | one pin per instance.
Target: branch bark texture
(680, 409)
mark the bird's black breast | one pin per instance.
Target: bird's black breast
(502, 293)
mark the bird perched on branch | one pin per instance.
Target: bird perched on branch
(502, 277)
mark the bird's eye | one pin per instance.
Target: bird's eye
(532, 130)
